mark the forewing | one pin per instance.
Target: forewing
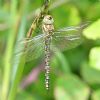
(32, 47)
(67, 38)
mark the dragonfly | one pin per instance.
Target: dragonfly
(49, 41)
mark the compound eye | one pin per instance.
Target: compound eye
(50, 18)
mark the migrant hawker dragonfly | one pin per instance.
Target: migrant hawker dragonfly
(51, 40)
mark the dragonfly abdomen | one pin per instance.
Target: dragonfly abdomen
(47, 61)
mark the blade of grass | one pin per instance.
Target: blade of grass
(18, 69)
(17, 78)
(9, 49)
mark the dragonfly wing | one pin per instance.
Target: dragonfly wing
(67, 38)
(32, 47)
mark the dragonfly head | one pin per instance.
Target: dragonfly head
(48, 19)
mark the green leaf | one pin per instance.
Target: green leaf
(69, 14)
(74, 17)
(90, 74)
(93, 31)
(95, 58)
(70, 87)
(94, 10)
(62, 95)
(96, 95)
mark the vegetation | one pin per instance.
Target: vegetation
(74, 73)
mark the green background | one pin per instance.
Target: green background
(75, 73)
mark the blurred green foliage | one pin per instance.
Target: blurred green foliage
(93, 31)
(74, 73)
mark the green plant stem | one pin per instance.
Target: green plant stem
(17, 78)
(7, 68)
(20, 67)
(9, 50)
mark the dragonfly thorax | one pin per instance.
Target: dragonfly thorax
(47, 26)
